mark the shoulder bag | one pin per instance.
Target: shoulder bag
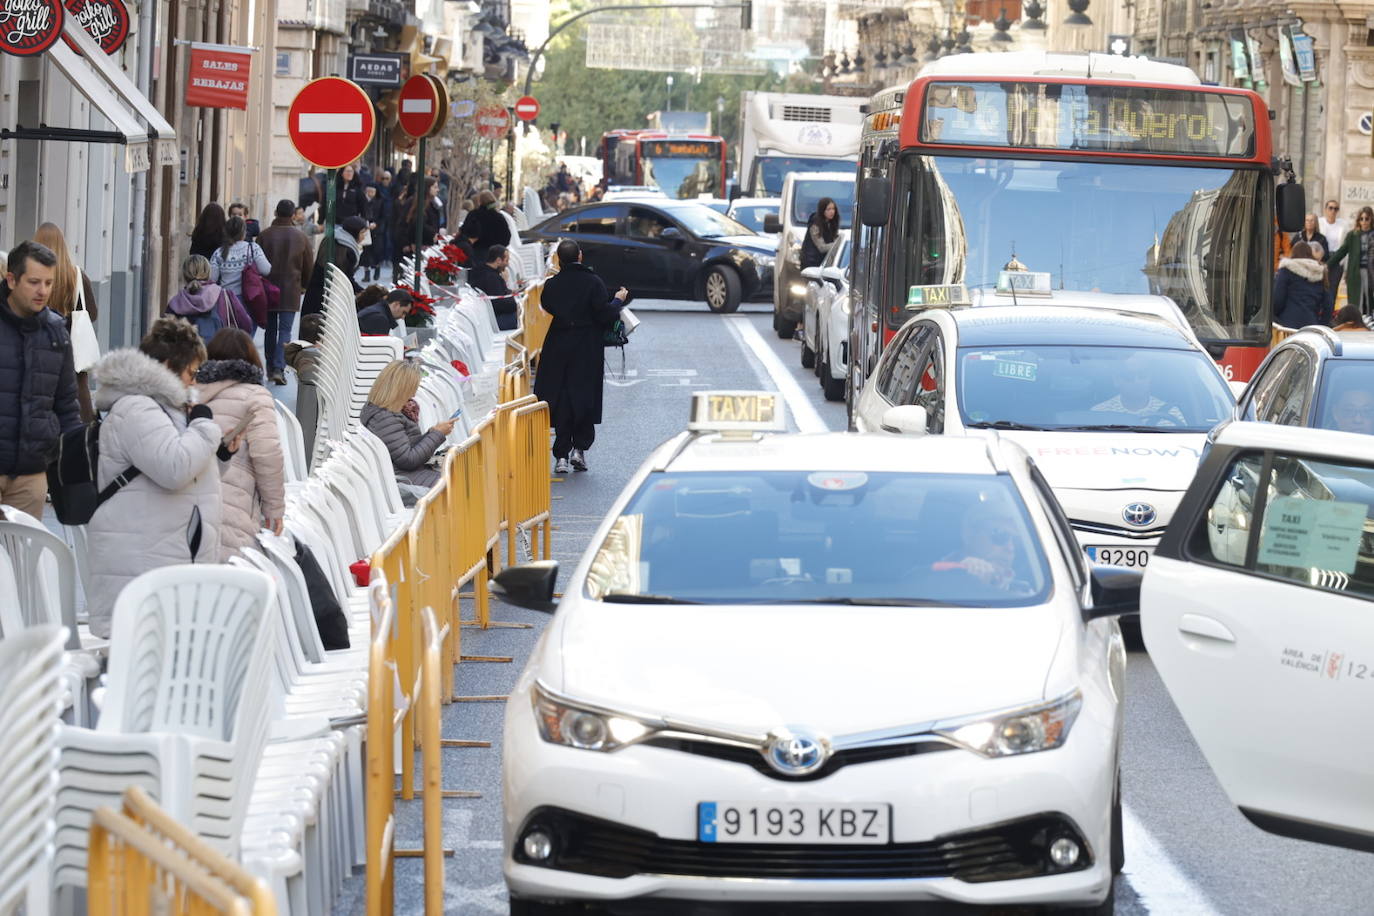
(85, 346)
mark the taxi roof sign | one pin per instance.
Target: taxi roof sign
(1024, 283)
(942, 296)
(745, 411)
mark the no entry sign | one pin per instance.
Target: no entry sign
(418, 108)
(331, 122)
(527, 108)
(493, 122)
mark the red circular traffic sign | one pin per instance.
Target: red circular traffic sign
(493, 122)
(331, 122)
(527, 108)
(417, 109)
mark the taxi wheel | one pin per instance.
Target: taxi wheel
(808, 356)
(832, 387)
(782, 326)
(722, 289)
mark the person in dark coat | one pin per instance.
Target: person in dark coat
(1356, 255)
(1300, 290)
(382, 317)
(822, 229)
(570, 367)
(293, 264)
(346, 254)
(208, 233)
(38, 401)
(348, 199)
(488, 278)
(374, 213)
(485, 226)
(427, 200)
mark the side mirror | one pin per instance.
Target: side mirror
(906, 419)
(1291, 204)
(735, 192)
(811, 273)
(1115, 591)
(671, 234)
(772, 223)
(875, 200)
(1217, 349)
(528, 586)
(834, 274)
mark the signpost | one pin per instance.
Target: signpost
(331, 123)
(422, 112)
(527, 108)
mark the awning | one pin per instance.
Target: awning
(109, 89)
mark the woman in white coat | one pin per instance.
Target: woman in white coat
(253, 482)
(170, 512)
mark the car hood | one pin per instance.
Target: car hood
(752, 669)
(752, 242)
(1114, 461)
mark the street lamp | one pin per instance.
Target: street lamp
(670, 93)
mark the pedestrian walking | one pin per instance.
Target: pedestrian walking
(1334, 227)
(373, 213)
(38, 399)
(71, 291)
(233, 255)
(207, 306)
(170, 512)
(253, 481)
(349, 194)
(251, 227)
(293, 262)
(381, 318)
(489, 279)
(486, 225)
(570, 366)
(1312, 235)
(409, 447)
(1300, 289)
(1356, 253)
(208, 233)
(429, 216)
(346, 254)
(396, 227)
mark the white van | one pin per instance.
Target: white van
(801, 192)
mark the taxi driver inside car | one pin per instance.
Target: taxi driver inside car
(735, 542)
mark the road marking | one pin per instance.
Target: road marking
(316, 122)
(804, 413)
(1154, 876)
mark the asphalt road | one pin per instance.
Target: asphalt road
(1187, 850)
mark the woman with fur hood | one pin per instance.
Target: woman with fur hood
(253, 482)
(1300, 290)
(170, 512)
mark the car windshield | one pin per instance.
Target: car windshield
(1347, 396)
(706, 223)
(805, 537)
(753, 216)
(771, 171)
(807, 196)
(1073, 387)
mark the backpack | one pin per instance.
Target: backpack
(260, 295)
(207, 323)
(72, 475)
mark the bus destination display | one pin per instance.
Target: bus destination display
(1123, 119)
(677, 148)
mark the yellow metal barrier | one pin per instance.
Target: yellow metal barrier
(382, 721)
(526, 465)
(431, 761)
(534, 321)
(142, 861)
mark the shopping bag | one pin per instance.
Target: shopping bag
(85, 346)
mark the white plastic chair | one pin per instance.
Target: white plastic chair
(293, 443)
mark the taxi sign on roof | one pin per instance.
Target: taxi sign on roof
(753, 411)
(924, 297)
(1024, 283)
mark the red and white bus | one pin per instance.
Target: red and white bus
(606, 152)
(1095, 173)
(682, 166)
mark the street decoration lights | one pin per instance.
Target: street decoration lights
(1079, 15)
(1000, 26)
(1032, 21)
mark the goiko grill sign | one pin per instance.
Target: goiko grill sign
(107, 21)
(29, 27)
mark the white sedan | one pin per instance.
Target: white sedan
(1113, 405)
(825, 319)
(687, 729)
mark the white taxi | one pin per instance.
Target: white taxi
(689, 728)
(1113, 405)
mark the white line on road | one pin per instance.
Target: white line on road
(1154, 876)
(804, 413)
(318, 122)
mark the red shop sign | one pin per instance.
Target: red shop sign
(29, 27)
(107, 21)
(218, 77)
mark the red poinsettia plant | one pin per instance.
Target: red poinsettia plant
(421, 308)
(441, 270)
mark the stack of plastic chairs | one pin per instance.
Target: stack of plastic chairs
(30, 703)
(183, 716)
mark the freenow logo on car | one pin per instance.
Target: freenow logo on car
(1108, 450)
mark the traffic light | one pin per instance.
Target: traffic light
(746, 14)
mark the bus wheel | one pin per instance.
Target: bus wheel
(722, 289)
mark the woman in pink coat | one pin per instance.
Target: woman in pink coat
(253, 483)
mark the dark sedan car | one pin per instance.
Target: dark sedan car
(667, 249)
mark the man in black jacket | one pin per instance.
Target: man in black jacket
(37, 379)
(383, 316)
(488, 278)
(570, 376)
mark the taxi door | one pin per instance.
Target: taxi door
(1258, 612)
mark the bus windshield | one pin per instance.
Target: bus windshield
(1193, 234)
(682, 169)
(771, 171)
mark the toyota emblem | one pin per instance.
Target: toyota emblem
(1139, 515)
(796, 754)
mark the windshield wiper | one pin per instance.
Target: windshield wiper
(1123, 428)
(624, 598)
(1002, 424)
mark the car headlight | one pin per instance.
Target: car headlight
(1024, 731)
(844, 304)
(590, 730)
(763, 260)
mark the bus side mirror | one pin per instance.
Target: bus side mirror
(1292, 206)
(771, 223)
(875, 199)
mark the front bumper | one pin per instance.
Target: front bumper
(624, 823)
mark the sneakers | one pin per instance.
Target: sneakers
(578, 459)
(562, 466)
(278, 377)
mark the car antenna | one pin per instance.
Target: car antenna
(1011, 265)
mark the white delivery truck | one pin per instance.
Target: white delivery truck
(784, 132)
